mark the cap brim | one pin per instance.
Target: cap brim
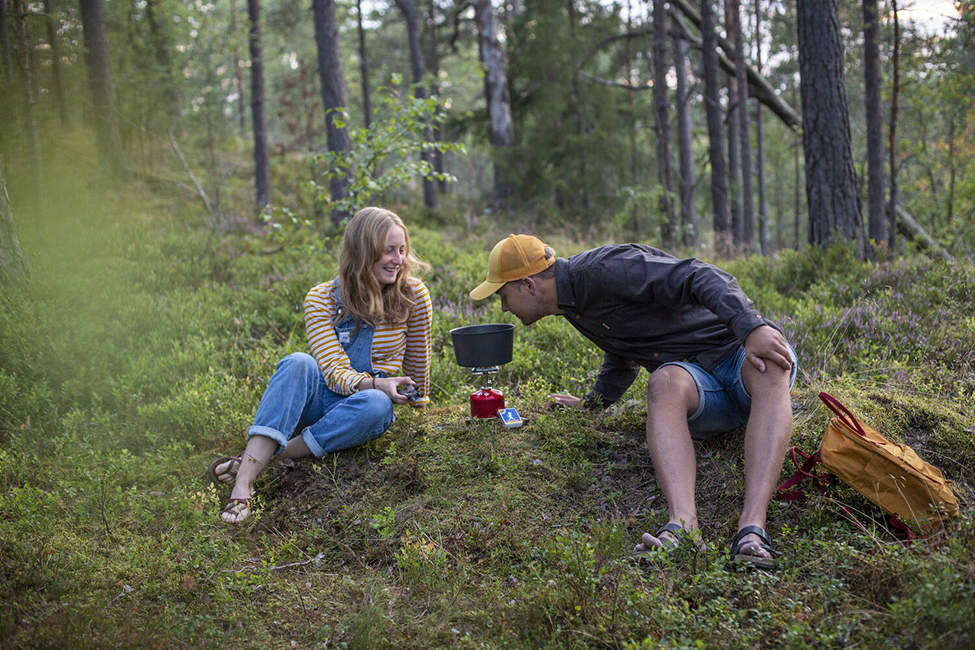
(485, 289)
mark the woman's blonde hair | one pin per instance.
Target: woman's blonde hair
(362, 246)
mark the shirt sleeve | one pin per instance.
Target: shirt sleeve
(334, 363)
(416, 359)
(615, 376)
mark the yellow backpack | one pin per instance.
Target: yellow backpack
(888, 473)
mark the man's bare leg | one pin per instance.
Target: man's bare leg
(671, 397)
(766, 439)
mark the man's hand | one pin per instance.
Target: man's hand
(766, 344)
(563, 399)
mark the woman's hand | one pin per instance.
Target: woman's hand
(389, 385)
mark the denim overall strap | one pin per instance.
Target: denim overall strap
(357, 344)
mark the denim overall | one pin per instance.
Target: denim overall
(298, 401)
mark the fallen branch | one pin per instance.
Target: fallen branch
(912, 230)
(189, 172)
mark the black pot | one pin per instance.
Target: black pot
(483, 346)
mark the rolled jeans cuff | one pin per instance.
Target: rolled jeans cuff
(316, 449)
(268, 432)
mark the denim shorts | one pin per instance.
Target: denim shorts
(724, 403)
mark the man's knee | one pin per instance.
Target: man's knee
(672, 387)
(775, 378)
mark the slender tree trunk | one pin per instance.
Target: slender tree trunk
(734, 144)
(160, 47)
(712, 104)
(5, 44)
(13, 265)
(333, 93)
(238, 71)
(27, 82)
(363, 65)
(741, 77)
(952, 170)
(262, 173)
(408, 7)
(102, 89)
(688, 210)
(433, 67)
(875, 125)
(796, 199)
(665, 174)
(501, 129)
(763, 229)
(580, 120)
(57, 79)
(892, 135)
(831, 189)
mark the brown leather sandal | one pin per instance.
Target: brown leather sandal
(229, 477)
(239, 508)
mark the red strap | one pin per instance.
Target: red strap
(835, 406)
(902, 530)
(804, 471)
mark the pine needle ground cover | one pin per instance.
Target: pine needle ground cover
(141, 347)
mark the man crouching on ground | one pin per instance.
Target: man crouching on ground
(715, 363)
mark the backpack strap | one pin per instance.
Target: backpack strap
(842, 412)
(805, 471)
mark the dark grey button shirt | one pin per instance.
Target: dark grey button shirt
(645, 307)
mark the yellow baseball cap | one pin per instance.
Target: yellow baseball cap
(512, 258)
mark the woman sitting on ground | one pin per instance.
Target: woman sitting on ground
(369, 335)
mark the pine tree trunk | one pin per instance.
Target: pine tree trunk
(688, 210)
(408, 7)
(13, 266)
(262, 173)
(333, 93)
(831, 190)
(27, 82)
(892, 135)
(745, 143)
(501, 129)
(8, 73)
(57, 79)
(669, 226)
(712, 104)
(102, 89)
(877, 218)
(363, 66)
(763, 230)
(734, 147)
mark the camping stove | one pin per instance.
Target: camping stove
(486, 402)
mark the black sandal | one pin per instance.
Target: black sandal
(755, 561)
(679, 537)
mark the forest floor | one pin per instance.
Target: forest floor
(140, 348)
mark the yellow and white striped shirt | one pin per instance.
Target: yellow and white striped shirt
(403, 346)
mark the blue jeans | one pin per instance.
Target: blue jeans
(297, 400)
(724, 403)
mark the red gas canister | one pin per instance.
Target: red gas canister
(486, 402)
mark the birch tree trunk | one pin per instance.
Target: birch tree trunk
(501, 128)
(13, 266)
